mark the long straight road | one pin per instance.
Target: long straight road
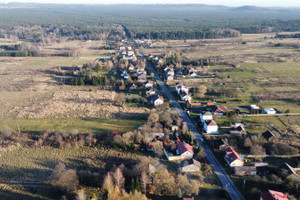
(227, 183)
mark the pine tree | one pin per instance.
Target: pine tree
(137, 185)
(132, 186)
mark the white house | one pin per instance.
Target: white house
(269, 111)
(254, 107)
(148, 84)
(185, 96)
(156, 100)
(232, 158)
(130, 53)
(206, 116)
(180, 87)
(211, 127)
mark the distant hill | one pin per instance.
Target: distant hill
(250, 8)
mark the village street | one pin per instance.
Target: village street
(227, 183)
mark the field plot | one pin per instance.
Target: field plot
(30, 88)
(97, 126)
(35, 166)
(248, 70)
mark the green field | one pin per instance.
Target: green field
(82, 125)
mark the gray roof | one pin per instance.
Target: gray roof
(190, 162)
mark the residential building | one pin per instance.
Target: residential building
(185, 150)
(156, 100)
(185, 96)
(217, 109)
(148, 84)
(269, 135)
(269, 111)
(210, 127)
(205, 116)
(180, 87)
(238, 130)
(190, 165)
(273, 195)
(232, 158)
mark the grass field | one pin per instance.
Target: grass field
(82, 125)
(30, 165)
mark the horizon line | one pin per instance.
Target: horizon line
(57, 3)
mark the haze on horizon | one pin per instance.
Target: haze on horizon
(235, 3)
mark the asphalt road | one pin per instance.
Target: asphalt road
(227, 183)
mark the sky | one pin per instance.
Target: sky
(233, 3)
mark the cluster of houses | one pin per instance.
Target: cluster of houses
(210, 126)
(142, 79)
(126, 51)
(268, 111)
(145, 43)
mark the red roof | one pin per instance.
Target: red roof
(210, 103)
(211, 123)
(232, 155)
(184, 147)
(274, 195)
(115, 133)
(220, 109)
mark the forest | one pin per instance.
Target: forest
(151, 21)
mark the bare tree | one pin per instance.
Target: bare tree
(143, 182)
(108, 183)
(201, 91)
(187, 187)
(120, 99)
(119, 178)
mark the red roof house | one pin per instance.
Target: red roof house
(185, 150)
(273, 195)
(233, 158)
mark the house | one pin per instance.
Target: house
(193, 75)
(180, 87)
(156, 100)
(217, 109)
(148, 84)
(123, 52)
(185, 150)
(238, 130)
(206, 116)
(245, 170)
(254, 107)
(185, 96)
(232, 158)
(269, 135)
(130, 53)
(273, 195)
(210, 127)
(288, 171)
(131, 67)
(129, 48)
(190, 165)
(150, 91)
(169, 74)
(133, 87)
(269, 111)
(142, 77)
(125, 75)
